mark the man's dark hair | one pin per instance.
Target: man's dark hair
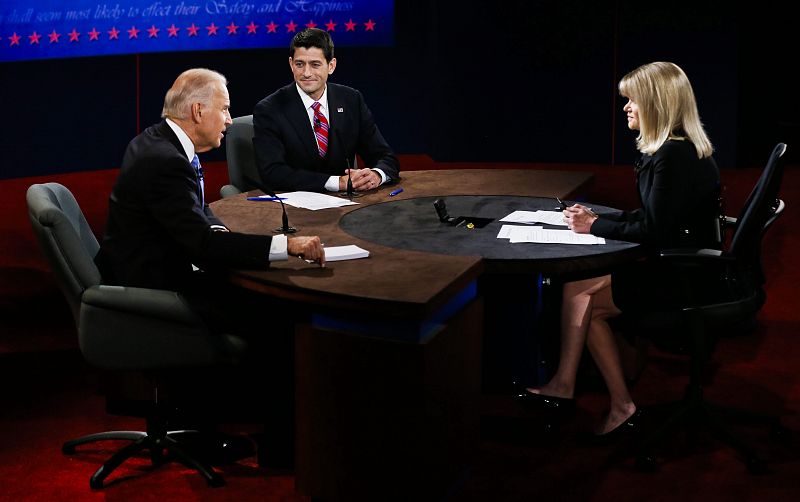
(313, 37)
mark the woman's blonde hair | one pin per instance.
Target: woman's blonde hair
(667, 107)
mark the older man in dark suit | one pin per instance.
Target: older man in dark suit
(162, 234)
(308, 133)
(159, 224)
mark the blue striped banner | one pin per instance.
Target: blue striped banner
(77, 28)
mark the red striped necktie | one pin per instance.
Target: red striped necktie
(321, 127)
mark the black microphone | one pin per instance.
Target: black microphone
(441, 211)
(349, 180)
(285, 229)
(317, 123)
(349, 192)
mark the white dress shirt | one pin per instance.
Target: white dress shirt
(278, 249)
(332, 185)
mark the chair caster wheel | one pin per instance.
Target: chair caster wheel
(756, 466)
(646, 463)
(95, 484)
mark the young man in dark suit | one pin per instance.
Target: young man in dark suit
(308, 133)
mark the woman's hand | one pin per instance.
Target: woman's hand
(579, 218)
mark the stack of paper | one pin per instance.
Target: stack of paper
(549, 217)
(313, 200)
(351, 252)
(516, 233)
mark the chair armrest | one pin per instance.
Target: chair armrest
(730, 221)
(702, 275)
(150, 303)
(124, 328)
(695, 255)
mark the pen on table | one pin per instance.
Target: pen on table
(395, 192)
(563, 207)
(266, 198)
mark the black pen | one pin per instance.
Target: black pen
(564, 207)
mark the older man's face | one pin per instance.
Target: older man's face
(214, 118)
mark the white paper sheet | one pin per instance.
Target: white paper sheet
(549, 217)
(312, 200)
(350, 252)
(516, 234)
(505, 231)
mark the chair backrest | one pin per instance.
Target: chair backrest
(67, 241)
(240, 155)
(760, 210)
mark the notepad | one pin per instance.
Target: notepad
(351, 252)
(537, 234)
(550, 217)
(314, 201)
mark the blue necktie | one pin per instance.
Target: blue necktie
(199, 170)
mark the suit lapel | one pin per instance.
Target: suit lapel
(337, 119)
(645, 177)
(167, 133)
(334, 103)
(298, 117)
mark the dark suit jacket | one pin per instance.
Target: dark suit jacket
(157, 227)
(286, 149)
(679, 197)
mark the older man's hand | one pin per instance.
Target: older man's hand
(307, 248)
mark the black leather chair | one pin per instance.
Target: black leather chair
(122, 328)
(738, 295)
(240, 156)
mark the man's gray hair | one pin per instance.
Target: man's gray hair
(196, 85)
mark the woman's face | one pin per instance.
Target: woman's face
(631, 109)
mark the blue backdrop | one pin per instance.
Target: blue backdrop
(506, 81)
(59, 28)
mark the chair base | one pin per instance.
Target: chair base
(693, 413)
(161, 446)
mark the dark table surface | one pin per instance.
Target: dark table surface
(413, 224)
(415, 280)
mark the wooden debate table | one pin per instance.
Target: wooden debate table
(388, 373)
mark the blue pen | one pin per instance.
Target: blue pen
(395, 192)
(266, 198)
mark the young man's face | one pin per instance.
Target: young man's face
(311, 70)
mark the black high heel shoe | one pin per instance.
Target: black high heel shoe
(542, 402)
(631, 425)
